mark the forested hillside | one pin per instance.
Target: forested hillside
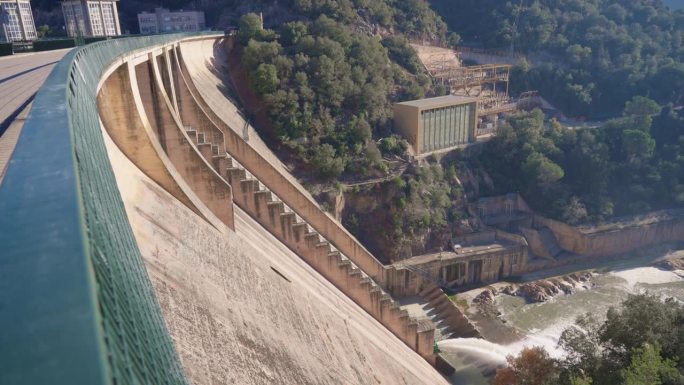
(631, 165)
(327, 72)
(589, 57)
(593, 58)
(328, 82)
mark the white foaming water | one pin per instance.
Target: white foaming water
(646, 275)
(489, 352)
(483, 351)
(547, 338)
(476, 359)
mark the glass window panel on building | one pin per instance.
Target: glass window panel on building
(433, 128)
(27, 19)
(17, 21)
(446, 127)
(423, 116)
(108, 19)
(440, 127)
(95, 19)
(90, 18)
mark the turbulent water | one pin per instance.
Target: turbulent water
(476, 359)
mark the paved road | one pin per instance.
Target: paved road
(20, 78)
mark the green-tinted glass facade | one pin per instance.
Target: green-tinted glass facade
(447, 126)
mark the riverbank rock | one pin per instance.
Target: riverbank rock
(539, 291)
(485, 298)
(670, 264)
(485, 303)
(545, 289)
(510, 290)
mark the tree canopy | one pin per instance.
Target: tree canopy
(641, 342)
(589, 56)
(328, 88)
(631, 164)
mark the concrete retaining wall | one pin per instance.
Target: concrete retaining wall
(618, 241)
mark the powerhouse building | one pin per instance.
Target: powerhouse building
(435, 124)
(166, 21)
(17, 21)
(91, 18)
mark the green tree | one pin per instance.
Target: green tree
(326, 163)
(541, 169)
(641, 106)
(265, 79)
(649, 368)
(43, 31)
(291, 33)
(582, 380)
(637, 144)
(257, 52)
(643, 319)
(249, 27)
(454, 40)
(574, 212)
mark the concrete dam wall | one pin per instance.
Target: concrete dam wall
(147, 251)
(164, 126)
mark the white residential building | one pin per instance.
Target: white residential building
(166, 21)
(17, 21)
(90, 18)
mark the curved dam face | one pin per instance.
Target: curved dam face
(174, 248)
(241, 305)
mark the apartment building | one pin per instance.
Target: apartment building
(166, 21)
(89, 18)
(17, 21)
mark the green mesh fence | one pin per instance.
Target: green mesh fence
(76, 304)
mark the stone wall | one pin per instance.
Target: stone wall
(615, 241)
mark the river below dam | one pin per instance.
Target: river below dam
(541, 324)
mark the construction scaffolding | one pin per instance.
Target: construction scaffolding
(472, 80)
(489, 83)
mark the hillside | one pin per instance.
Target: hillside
(590, 56)
(323, 87)
(620, 62)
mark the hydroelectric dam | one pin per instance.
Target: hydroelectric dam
(148, 236)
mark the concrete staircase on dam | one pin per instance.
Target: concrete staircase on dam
(449, 321)
(276, 217)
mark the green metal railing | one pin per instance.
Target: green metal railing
(76, 304)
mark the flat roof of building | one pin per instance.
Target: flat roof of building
(470, 252)
(439, 101)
